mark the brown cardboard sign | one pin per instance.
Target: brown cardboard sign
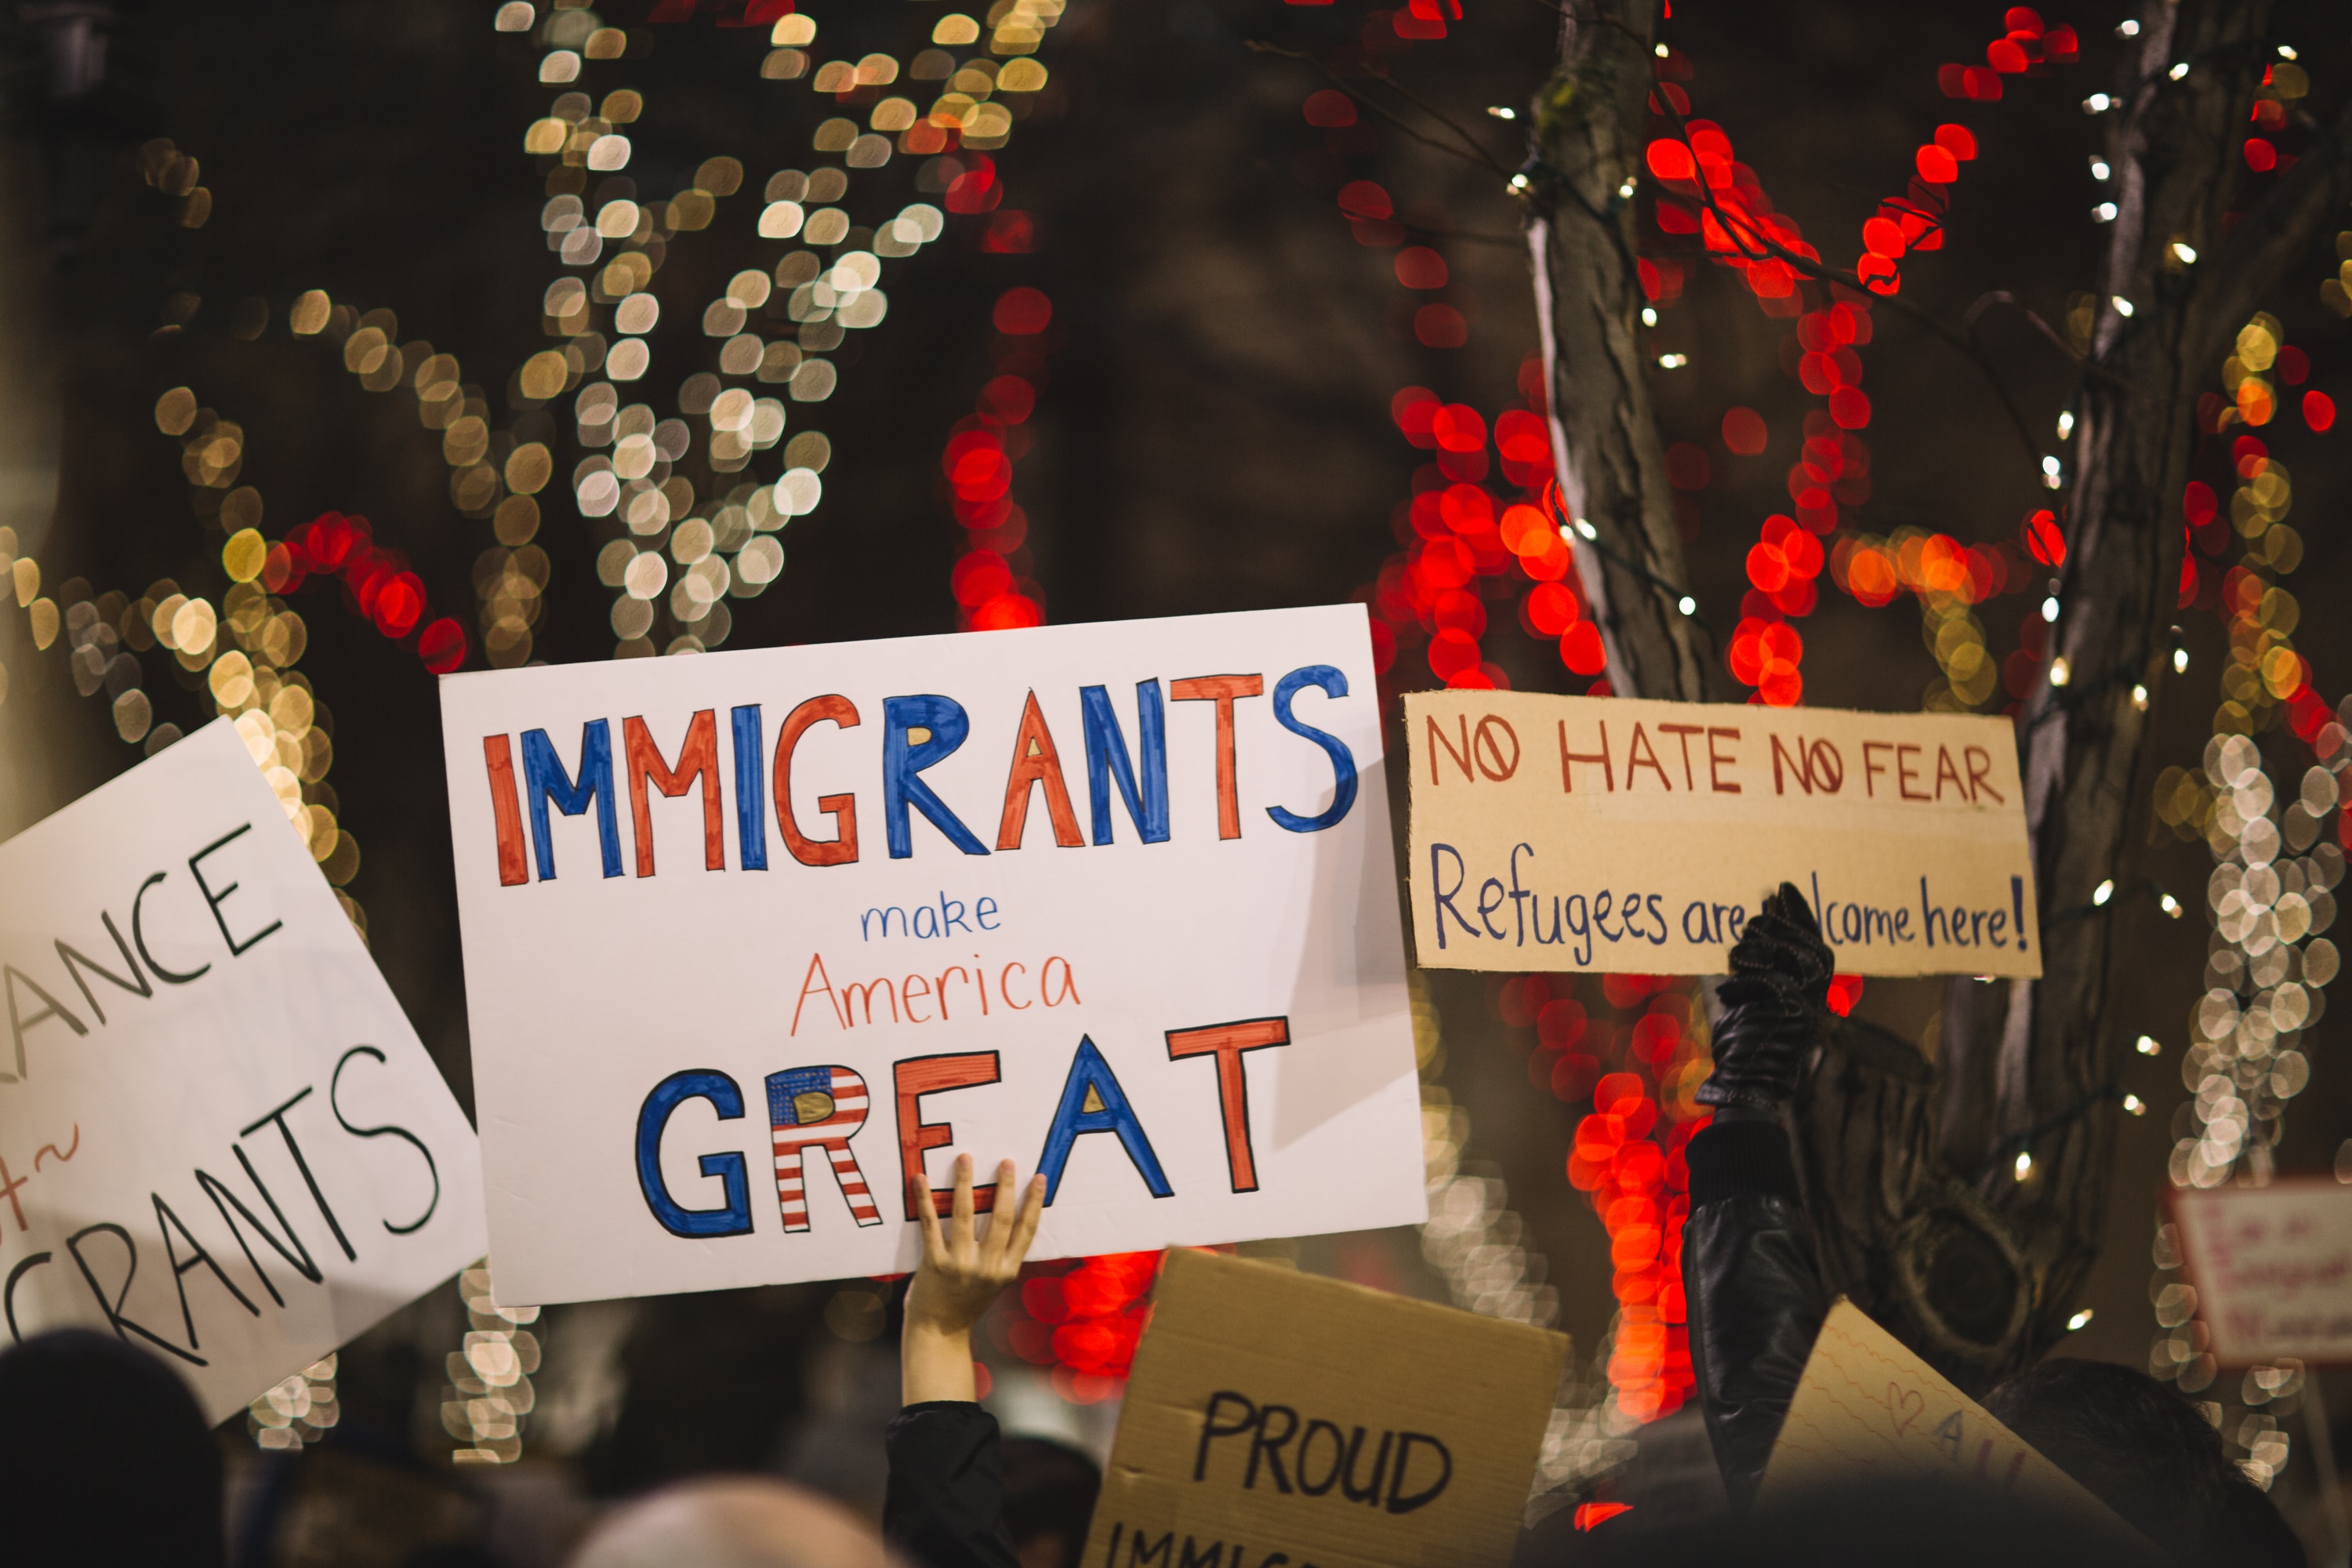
(1281, 1420)
(1867, 1408)
(1623, 836)
(2271, 1268)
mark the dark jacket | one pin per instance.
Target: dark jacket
(1753, 1290)
(945, 1503)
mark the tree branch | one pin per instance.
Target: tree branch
(1475, 153)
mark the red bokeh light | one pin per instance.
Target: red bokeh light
(1330, 108)
(2043, 541)
(1021, 311)
(1581, 649)
(1419, 266)
(980, 575)
(1744, 431)
(1457, 427)
(442, 647)
(1671, 159)
(1440, 327)
(1008, 399)
(1005, 612)
(1552, 609)
(399, 602)
(1365, 199)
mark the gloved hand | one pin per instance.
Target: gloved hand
(1776, 1006)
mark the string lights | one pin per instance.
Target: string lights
(1476, 1242)
(1706, 193)
(488, 1392)
(2271, 898)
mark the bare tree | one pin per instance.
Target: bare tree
(1912, 1169)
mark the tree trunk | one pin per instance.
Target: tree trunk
(1911, 1180)
(1591, 127)
(2045, 1084)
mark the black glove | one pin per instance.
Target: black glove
(1776, 1006)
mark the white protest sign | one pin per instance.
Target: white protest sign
(219, 1136)
(756, 943)
(1623, 836)
(2272, 1266)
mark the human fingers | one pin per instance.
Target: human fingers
(1000, 1214)
(959, 1209)
(926, 1216)
(1025, 1222)
(1797, 912)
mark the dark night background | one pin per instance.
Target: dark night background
(1213, 433)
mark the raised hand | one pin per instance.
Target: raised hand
(1776, 1006)
(962, 1271)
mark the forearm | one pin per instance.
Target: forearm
(935, 1363)
(1756, 1299)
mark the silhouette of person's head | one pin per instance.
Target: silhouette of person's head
(2147, 1453)
(105, 1457)
(1049, 1500)
(734, 1521)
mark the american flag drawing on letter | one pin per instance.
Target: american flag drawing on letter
(818, 1108)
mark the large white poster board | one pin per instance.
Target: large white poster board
(1626, 837)
(219, 1136)
(756, 943)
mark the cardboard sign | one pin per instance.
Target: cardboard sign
(2271, 1268)
(219, 1137)
(756, 943)
(1867, 1408)
(1580, 833)
(1274, 1416)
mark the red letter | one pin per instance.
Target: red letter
(1979, 760)
(1715, 761)
(1034, 761)
(1228, 1041)
(1222, 689)
(955, 969)
(919, 1076)
(842, 849)
(698, 758)
(818, 1108)
(1799, 764)
(816, 971)
(1871, 768)
(1947, 769)
(505, 811)
(1685, 732)
(1905, 773)
(1634, 758)
(1438, 742)
(1568, 759)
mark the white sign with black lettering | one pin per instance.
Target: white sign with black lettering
(219, 1137)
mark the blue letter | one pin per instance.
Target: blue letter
(901, 764)
(1106, 760)
(545, 780)
(734, 1216)
(1343, 761)
(1444, 896)
(751, 801)
(1089, 1071)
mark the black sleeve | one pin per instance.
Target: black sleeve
(1753, 1289)
(945, 1499)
